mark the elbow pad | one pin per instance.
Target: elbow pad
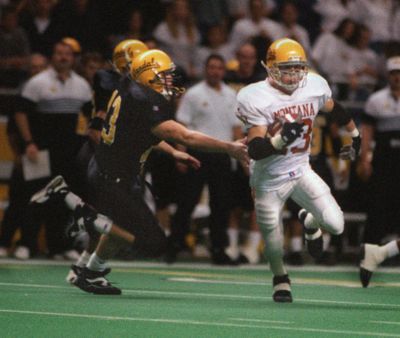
(340, 115)
(260, 148)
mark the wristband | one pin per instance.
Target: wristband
(277, 142)
(354, 133)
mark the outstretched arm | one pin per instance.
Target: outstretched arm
(173, 131)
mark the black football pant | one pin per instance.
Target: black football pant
(123, 202)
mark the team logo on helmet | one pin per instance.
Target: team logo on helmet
(146, 66)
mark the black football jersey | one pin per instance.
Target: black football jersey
(132, 111)
(104, 83)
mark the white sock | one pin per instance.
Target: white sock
(390, 249)
(83, 259)
(254, 238)
(96, 263)
(310, 222)
(327, 241)
(296, 244)
(72, 200)
(233, 235)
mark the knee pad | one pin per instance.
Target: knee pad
(333, 220)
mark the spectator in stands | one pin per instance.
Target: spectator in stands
(216, 43)
(209, 13)
(42, 27)
(18, 215)
(256, 25)
(363, 64)
(290, 27)
(83, 20)
(178, 35)
(47, 119)
(135, 29)
(239, 9)
(247, 71)
(331, 54)
(377, 15)
(333, 12)
(208, 107)
(380, 165)
(395, 29)
(14, 50)
(91, 63)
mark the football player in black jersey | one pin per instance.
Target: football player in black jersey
(138, 117)
(104, 83)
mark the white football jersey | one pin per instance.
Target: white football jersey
(260, 104)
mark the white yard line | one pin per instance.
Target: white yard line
(197, 322)
(384, 322)
(303, 281)
(212, 295)
(261, 321)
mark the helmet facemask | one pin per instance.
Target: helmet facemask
(165, 82)
(294, 72)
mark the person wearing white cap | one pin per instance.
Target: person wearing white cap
(381, 165)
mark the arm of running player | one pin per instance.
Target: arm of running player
(173, 131)
(344, 119)
(96, 126)
(178, 155)
(260, 146)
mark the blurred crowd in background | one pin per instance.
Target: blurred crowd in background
(347, 41)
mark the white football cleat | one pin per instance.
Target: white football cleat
(233, 252)
(371, 257)
(55, 188)
(3, 252)
(22, 252)
(251, 254)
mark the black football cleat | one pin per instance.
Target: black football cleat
(282, 289)
(313, 237)
(95, 282)
(55, 189)
(73, 273)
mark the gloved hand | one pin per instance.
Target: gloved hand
(351, 151)
(291, 131)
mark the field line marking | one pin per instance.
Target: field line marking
(197, 322)
(198, 294)
(261, 320)
(384, 322)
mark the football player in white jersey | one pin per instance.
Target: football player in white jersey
(279, 114)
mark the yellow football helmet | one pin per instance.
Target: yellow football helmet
(125, 52)
(155, 69)
(287, 63)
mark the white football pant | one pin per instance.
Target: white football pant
(311, 193)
